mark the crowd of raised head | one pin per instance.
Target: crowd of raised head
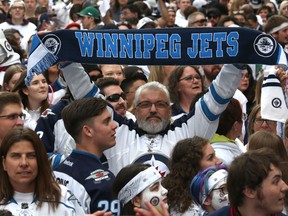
(111, 139)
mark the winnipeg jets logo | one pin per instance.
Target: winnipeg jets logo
(264, 45)
(99, 175)
(46, 113)
(276, 102)
(8, 46)
(52, 43)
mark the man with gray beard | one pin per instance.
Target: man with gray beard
(153, 136)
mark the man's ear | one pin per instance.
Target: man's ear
(250, 193)
(86, 130)
(136, 201)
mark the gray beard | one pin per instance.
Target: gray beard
(151, 127)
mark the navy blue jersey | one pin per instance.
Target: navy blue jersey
(90, 181)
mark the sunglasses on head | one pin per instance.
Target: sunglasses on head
(201, 21)
(116, 97)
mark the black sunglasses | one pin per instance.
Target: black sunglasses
(212, 16)
(116, 97)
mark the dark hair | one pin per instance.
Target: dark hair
(7, 98)
(232, 114)
(250, 91)
(226, 19)
(79, 112)
(133, 8)
(248, 171)
(189, 10)
(128, 82)
(144, 9)
(122, 178)
(9, 73)
(106, 81)
(184, 164)
(263, 8)
(264, 139)
(173, 82)
(76, 8)
(252, 17)
(20, 85)
(4, 212)
(46, 188)
(131, 70)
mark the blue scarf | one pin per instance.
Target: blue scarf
(173, 46)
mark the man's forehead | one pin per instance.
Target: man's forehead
(153, 93)
(112, 89)
(111, 68)
(273, 172)
(11, 107)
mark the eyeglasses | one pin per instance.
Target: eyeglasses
(223, 190)
(247, 76)
(14, 116)
(190, 78)
(212, 16)
(260, 121)
(201, 21)
(148, 105)
(116, 97)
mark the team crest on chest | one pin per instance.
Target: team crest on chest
(99, 175)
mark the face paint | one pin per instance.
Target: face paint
(219, 197)
(154, 194)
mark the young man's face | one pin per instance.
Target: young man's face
(113, 95)
(102, 129)
(281, 36)
(270, 195)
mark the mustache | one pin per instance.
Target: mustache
(120, 106)
(153, 115)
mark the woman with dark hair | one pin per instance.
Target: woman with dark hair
(136, 184)
(185, 83)
(27, 184)
(12, 75)
(189, 156)
(247, 86)
(34, 97)
(229, 128)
